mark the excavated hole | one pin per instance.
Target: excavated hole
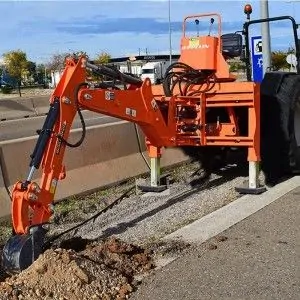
(75, 243)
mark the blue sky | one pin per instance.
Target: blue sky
(121, 28)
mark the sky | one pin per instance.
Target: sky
(124, 28)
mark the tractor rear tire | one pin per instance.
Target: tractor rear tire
(280, 125)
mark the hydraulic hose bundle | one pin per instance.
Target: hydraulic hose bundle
(113, 73)
(185, 76)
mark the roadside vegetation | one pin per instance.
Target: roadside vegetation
(18, 73)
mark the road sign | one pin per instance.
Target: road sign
(257, 58)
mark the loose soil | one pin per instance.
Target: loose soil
(102, 270)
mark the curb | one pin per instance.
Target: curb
(218, 221)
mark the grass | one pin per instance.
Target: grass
(78, 207)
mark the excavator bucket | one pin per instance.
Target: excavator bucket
(20, 251)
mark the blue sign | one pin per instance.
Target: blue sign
(257, 58)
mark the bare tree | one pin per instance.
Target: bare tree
(56, 63)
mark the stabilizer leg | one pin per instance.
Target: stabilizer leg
(253, 186)
(156, 184)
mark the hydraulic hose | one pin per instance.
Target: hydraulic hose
(184, 77)
(113, 73)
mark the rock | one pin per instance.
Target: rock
(41, 268)
(82, 276)
(212, 247)
(124, 290)
(222, 238)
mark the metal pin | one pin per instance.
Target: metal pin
(66, 100)
(32, 197)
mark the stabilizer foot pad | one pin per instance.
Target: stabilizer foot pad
(251, 191)
(154, 189)
(144, 185)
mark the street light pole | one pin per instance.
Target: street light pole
(265, 33)
(170, 32)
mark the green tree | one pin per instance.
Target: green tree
(236, 66)
(103, 58)
(279, 60)
(16, 64)
(31, 71)
(41, 73)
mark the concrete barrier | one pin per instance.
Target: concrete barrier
(16, 108)
(41, 104)
(23, 107)
(170, 156)
(4, 198)
(109, 154)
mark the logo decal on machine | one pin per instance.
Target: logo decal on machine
(154, 105)
(109, 95)
(130, 112)
(195, 44)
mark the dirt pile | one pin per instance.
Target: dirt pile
(103, 270)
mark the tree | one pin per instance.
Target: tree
(279, 60)
(103, 58)
(236, 65)
(31, 71)
(57, 62)
(41, 74)
(16, 64)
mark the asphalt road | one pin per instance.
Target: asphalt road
(14, 129)
(258, 258)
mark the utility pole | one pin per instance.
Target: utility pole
(265, 33)
(170, 32)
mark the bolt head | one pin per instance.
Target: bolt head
(66, 100)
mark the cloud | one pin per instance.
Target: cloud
(102, 25)
(113, 25)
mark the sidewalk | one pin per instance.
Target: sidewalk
(258, 258)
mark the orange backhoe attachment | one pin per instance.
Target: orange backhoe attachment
(184, 111)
